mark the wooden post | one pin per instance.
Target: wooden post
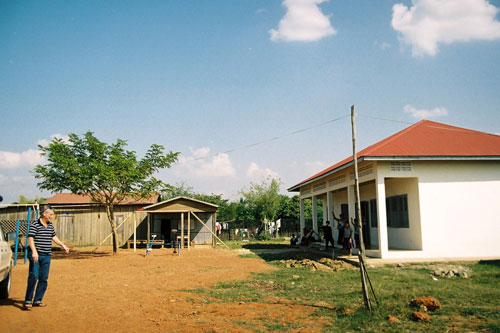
(149, 227)
(182, 230)
(214, 224)
(135, 233)
(361, 254)
(189, 230)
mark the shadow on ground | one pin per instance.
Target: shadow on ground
(495, 263)
(76, 254)
(276, 252)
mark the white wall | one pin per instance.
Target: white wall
(460, 208)
(405, 238)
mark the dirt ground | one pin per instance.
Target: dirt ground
(128, 292)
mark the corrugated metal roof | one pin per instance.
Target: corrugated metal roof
(426, 139)
(179, 199)
(77, 199)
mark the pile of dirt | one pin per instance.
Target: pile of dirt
(324, 264)
(425, 303)
(430, 303)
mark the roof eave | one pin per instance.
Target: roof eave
(296, 188)
(178, 198)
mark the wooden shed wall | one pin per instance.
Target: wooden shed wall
(90, 225)
(15, 213)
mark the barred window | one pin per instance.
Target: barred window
(397, 211)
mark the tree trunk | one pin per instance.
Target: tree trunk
(111, 219)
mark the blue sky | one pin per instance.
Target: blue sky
(205, 77)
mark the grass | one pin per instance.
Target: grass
(467, 304)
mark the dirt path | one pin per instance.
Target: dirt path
(130, 293)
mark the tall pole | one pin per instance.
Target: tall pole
(359, 224)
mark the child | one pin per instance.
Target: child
(348, 235)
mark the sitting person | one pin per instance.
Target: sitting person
(307, 238)
(294, 240)
(315, 237)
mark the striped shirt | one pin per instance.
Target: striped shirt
(42, 236)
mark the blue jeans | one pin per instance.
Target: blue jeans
(38, 272)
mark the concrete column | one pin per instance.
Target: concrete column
(329, 204)
(383, 241)
(314, 213)
(302, 219)
(325, 210)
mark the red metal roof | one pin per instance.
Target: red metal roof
(76, 199)
(427, 139)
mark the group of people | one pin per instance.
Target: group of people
(346, 235)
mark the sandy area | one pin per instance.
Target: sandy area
(128, 292)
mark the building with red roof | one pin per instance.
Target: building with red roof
(430, 190)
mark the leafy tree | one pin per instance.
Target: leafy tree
(106, 172)
(263, 200)
(180, 189)
(25, 200)
(244, 213)
(225, 212)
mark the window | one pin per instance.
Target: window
(397, 211)
(373, 213)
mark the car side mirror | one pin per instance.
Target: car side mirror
(11, 236)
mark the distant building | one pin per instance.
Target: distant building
(82, 222)
(431, 190)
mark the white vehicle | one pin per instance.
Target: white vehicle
(5, 265)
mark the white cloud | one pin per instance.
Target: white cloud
(202, 152)
(201, 165)
(256, 173)
(12, 160)
(303, 22)
(430, 22)
(28, 158)
(423, 113)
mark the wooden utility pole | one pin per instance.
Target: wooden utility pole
(359, 223)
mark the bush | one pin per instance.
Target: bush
(264, 236)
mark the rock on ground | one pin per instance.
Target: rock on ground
(324, 264)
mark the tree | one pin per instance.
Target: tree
(180, 189)
(106, 172)
(25, 200)
(263, 200)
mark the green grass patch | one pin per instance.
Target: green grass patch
(467, 304)
(249, 255)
